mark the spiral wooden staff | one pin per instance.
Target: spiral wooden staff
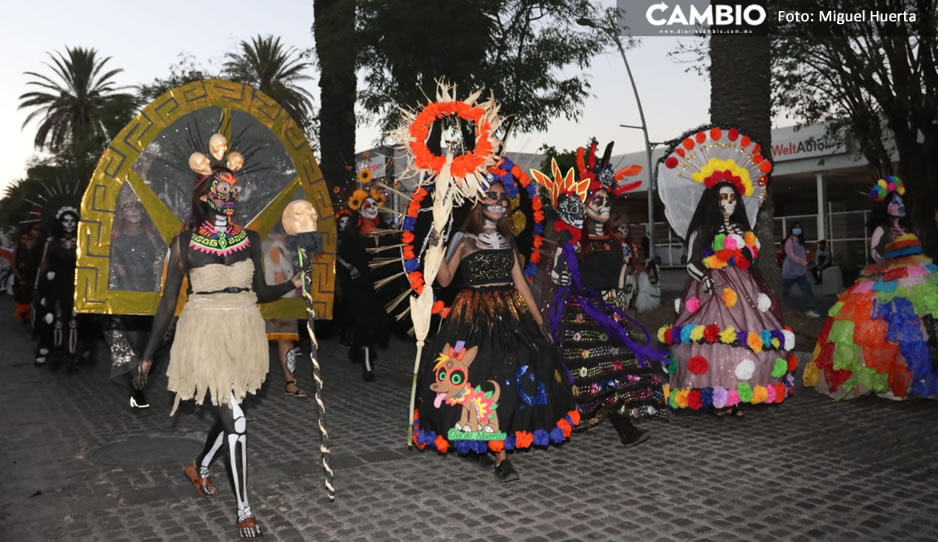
(300, 219)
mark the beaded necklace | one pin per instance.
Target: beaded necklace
(212, 241)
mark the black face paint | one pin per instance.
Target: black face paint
(571, 210)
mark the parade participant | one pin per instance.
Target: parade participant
(23, 272)
(57, 323)
(728, 344)
(136, 265)
(220, 348)
(491, 380)
(278, 267)
(613, 377)
(369, 321)
(876, 339)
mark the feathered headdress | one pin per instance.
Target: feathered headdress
(601, 175)
(567, 195)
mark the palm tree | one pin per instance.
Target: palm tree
(79, 103)
(740, 96)
(275, 70)
(336, 47)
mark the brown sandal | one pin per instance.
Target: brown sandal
(203, 485)
(248, 529)
(297, 392)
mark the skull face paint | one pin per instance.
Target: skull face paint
(607, 179)
(69, 222)
(344, 222)
(896, 206)
(495, 202)
(727, 201)
(571, 210)
(223, 195)
(599, 207)
(369, 208)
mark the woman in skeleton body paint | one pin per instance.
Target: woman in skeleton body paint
(220, 346)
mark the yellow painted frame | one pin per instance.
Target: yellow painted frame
(92, 294)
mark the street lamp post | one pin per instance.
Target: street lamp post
(614, 34)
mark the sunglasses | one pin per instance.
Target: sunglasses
(497, 196)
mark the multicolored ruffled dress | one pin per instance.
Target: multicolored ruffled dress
(729, 347)
(875, 340)
(608, 376)
(490, 380)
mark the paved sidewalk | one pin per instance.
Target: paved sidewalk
(810, 469)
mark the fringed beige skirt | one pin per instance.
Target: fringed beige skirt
(220, 348)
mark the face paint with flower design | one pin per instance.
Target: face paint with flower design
(369, 208)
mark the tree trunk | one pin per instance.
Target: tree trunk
(918, 169)
(740, 96)
(334, 33)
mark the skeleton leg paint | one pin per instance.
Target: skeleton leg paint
(235, 424)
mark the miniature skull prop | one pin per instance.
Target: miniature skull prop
(300, 217)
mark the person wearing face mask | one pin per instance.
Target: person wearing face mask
(613, 374)
(219, 349)
(490, 380)
(795, 268)
(877, 337)
(729, 347)
(56, 321)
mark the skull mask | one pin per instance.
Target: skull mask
(369, 208)
(571, 210)
(606, 178)
(896, 206)
(223, 195)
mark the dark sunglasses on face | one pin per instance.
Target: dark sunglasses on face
(497, 196)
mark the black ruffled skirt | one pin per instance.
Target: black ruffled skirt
(491, 381)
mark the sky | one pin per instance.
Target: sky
(145, 39)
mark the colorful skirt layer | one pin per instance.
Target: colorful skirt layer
(607, 377)
(729, 347)
(875, 339)
(491, 381)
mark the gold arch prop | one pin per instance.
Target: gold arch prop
(225, 100)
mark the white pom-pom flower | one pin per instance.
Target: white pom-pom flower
(745, 369)
(764, 302)
(677, 305)
(789, 340)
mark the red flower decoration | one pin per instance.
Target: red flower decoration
(698, 365)
(792, 363)
(409, 252)
(780, 392)
(693, 400)
(574, 416)
(442, 445)
(438, 307)
(407, 237)
(712, 333)
(565, 427)
(667, 337)
(496, 445)
(523, 439)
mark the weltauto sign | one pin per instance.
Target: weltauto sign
(805, 144)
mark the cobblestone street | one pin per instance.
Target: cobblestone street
(809, 469)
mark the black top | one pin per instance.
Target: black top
(179, 264)
(488, 266)
(600, 269)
